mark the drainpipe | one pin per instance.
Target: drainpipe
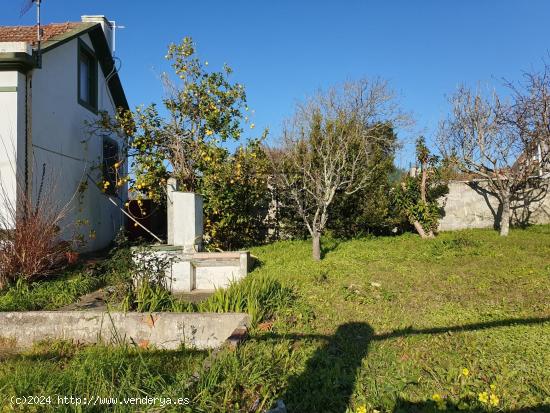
(28, 137)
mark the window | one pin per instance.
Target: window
(110, 158)
(87, 77)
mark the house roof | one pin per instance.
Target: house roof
(56, 34)
(28, 33)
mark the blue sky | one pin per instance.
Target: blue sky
(283, 50)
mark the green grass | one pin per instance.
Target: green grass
(49, 294)
(381, 324)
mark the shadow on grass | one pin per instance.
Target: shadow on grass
(328, 380)
(328, 245)
(327, 383)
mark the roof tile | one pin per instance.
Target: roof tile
(28, 33)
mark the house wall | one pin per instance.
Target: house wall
(12, 112)
(472, 206)
(64, 153)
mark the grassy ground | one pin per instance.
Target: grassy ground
(387, 324)
(56, 292)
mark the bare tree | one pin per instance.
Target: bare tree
(529, 116)
(503, 143)
(327, 146)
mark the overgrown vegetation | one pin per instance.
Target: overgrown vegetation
(74, 281)
(30, 235)
(139, 286)
(204, 109)
(396, 325)
(262, 297)
(416, 197)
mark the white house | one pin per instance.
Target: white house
(43, 110)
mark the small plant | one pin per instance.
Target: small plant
(146, 282)
(460, 244)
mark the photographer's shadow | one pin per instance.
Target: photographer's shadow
(327, 383)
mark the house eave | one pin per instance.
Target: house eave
(16, 61)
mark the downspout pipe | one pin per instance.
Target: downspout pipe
(28, 137)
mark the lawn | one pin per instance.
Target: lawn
(388, 324)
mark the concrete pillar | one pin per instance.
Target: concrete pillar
(171, 187)
(182, 276)
(185, 218)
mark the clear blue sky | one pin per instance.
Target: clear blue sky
(283, 50)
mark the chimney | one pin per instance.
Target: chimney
(105, 25)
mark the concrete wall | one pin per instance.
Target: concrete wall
(8, 140)
(158, 330)
(185, 272)
(471, 205)
(62, 147)
(12, 126)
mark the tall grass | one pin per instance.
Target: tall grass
(260, 296)
(50, 294)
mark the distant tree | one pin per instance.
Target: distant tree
(328, 147)
(502, 143)
(368, 211)
(416, 196)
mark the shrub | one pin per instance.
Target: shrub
(141, 282)
(236, 197)
(30, 244)
(368, 211)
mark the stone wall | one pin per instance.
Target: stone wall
(472, 205)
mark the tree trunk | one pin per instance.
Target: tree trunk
(505, 217)
(316, 251)
(421, 232)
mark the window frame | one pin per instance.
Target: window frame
(83, 48)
